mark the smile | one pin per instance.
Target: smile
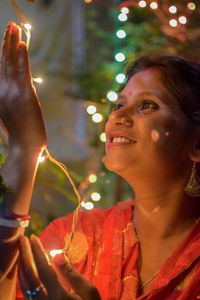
(119, 140)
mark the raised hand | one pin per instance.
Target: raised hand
(45, 283)
(20, 111)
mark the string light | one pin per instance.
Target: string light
(124, 10)
(41, 159)
(97, 118)
(121, 34)
(27, 29)
(120, 57)
(102, 137)
(154, 5)
(89, 205)
(38, 80)
(173, 22)
(91, 109)
(122, 17)
(191, 6)
(92, 178)
(173, 9)
(112, 96)
(182, 19)
(83, 204)
(120, 78)
(95, 196)
(28, 26)
(142, 3)
(53, 253)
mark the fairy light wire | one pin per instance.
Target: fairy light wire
(75, 215)
(23, 22)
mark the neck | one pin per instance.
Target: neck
(166, 211)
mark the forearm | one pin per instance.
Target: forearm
(18, 173)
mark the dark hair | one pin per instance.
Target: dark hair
(180, 76)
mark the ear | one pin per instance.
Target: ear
(194, 151)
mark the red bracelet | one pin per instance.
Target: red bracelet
(15, 221)
(16, 217)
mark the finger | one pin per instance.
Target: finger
(13, 49)
(29, 279)
(23, 65)
(46, 272)
(5, 50)
(80, 285)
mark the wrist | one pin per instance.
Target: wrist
(18, 149)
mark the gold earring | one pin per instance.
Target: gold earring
(193, 186)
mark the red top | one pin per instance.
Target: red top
(105, 249)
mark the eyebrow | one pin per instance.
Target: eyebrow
(142, 94)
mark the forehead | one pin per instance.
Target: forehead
(148, 82)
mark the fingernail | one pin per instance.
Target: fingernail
(33, 238)
(10, 24)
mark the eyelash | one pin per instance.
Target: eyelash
(141, 107)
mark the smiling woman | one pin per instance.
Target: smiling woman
(146, 248)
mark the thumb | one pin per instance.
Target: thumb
(78, 283)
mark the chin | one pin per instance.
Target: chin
(114, 165)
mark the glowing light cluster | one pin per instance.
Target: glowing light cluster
(120, 57)
(121, 34)
(89, 205)
(142, 3)
(182, 19)
(173, 9)
(191, 5)
(95, 196)
(102, 137)
(122, 17)
(154, 5)
(91, 109)
(97, 118)
(173, 22)
(92, 178)
(112, 96)
(120, 78)
(124, 10)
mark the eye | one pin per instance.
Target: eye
(147, 104)
(119, 105)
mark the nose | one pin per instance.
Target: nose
(120, 117)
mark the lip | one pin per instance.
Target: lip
(118, 134)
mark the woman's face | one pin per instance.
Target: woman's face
(155, 128)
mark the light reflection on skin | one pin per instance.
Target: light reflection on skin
(155, 135)
(156, 209)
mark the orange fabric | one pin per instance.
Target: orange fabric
(105, 249)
